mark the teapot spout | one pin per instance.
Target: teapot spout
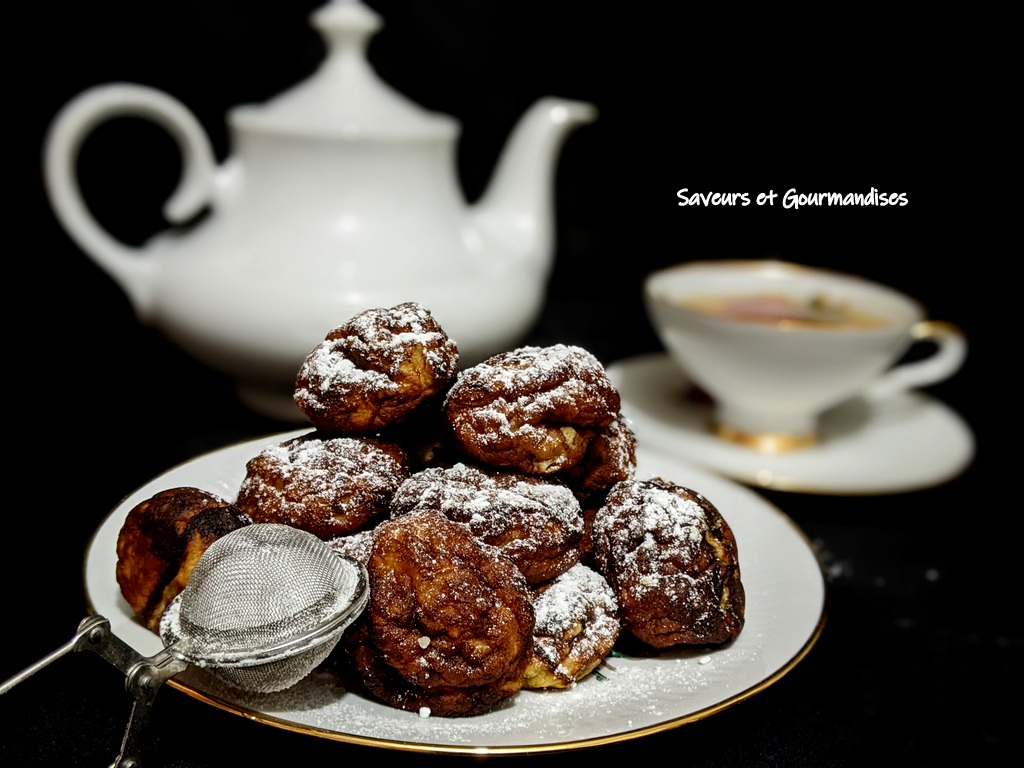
(517, 208)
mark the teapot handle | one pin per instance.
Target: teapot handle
(64, 140)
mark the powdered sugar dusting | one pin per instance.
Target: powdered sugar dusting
(384, 359)
(622, 695)
(533, 408)
(328, 486)
(356, 545)
(533, 382)
(648, 530)
(535, 521)
(491, 505)
(329, 369)
(579, 592)
(388, 335)
(578, 604)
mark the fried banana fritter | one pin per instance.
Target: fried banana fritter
(450, 618)
(533, 409)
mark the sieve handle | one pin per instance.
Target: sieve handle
(71, 645)
(93, 634)
(144, 679)
(143, 675)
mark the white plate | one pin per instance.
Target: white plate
(909, 442)
(785, 614)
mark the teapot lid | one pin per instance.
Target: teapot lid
(345, 97)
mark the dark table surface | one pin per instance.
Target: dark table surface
(922, 644)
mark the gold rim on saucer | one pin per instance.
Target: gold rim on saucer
(766, 442)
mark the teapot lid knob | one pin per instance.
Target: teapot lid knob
(347, 23)
(345, 97)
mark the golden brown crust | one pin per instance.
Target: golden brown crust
(329, 486)
(446, 612)
(533, 409)
(536, 522)
(374, 370)
(160, 542)
(672, 560)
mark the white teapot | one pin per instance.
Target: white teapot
(340, 195)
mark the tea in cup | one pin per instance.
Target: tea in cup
(775, 344)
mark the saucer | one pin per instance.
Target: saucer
(908, 442)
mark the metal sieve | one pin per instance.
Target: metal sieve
(263, 607)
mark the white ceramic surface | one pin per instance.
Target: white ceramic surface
(907, 442)
(776, 378)
(785, 614)
(340, 195)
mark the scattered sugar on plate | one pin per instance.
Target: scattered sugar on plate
(626, 693)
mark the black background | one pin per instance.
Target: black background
(841, 102)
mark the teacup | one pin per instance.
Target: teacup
(775, 344)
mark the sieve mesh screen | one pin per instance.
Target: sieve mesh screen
(266, 601)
